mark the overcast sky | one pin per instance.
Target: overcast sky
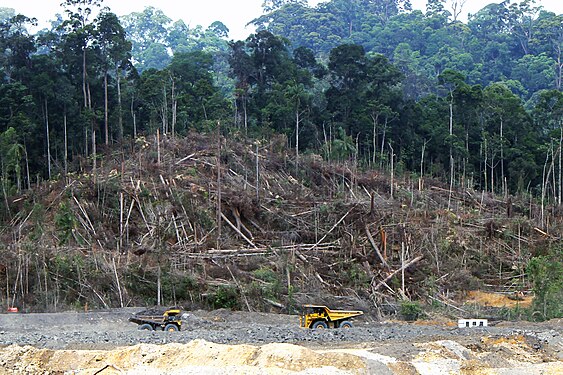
(235, 14)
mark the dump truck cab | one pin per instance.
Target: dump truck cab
(321, 317)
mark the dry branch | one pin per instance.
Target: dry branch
(404, 267)
(334, 226)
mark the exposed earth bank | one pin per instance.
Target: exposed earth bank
(225, 342)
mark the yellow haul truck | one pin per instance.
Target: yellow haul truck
(321, 317)
(158, 320)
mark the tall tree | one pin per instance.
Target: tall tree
(115, 54)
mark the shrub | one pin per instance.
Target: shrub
(273, 287)
(410, 310)
(224, 297)
(546, 273)
(65, 222)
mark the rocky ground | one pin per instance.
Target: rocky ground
(86, 341)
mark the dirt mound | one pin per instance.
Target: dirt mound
(512, 354)
(198, 356)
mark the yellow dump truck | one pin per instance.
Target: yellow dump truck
(158, 320)
(321, 317)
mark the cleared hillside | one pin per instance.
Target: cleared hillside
(169, 222)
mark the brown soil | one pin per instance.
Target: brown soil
(498, 300)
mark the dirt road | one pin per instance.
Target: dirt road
(383, 346)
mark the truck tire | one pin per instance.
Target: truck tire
(146, 327)
(171, 328)
(346, 324)
(319, 324)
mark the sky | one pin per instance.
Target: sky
(235, 14)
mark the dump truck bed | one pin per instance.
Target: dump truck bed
(319, 316)
(158, 318)
(337, 314)
(141, 319)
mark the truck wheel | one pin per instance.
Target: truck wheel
(171, 328)
(320, 324)
(346, 324)
(145, 327)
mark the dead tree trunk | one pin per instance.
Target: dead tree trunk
(106, 111)
(48, 138)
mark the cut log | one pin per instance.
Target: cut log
(374, 245)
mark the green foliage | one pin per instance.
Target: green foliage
(65, 222)
(357, 276)
(411, 310)
(514, 313)
(226, 297)
(38, 216)
(65, 272)
(266, 274)
(546, 273)
(271, 288)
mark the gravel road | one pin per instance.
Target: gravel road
(110, 329)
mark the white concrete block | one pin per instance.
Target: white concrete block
(472, 323)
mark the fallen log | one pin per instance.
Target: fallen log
(238, 231)
(404, 267)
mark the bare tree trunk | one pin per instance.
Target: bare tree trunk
(133, 115)
(503, 183)
(560, 159)
(484, 153)
(84, 77)
(465, 160)
(159, 286)
(403, 270)
(219, 209)
(554, 173)
(158, 147)
(392, 170)
(95, 162)
(106, 116)
(375, 119)
(27, 167)
(117, 283)
(48, 139)
(421, 178)
(545, 179)
(66, 142)
(451, 148)
(164, 112)
(492, 173)
(119, 106)
(174, 107)
(245, 116)
(174, 117)
(257, 175)
(383, 142)
(297, 121)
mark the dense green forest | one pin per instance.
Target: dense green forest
(477, 104)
